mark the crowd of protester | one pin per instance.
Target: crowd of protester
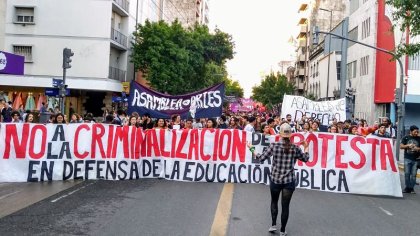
(265, 123)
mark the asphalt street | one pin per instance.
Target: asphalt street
(161, 207)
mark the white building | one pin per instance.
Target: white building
(412, 99)
(99, 34)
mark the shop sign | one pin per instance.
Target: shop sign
(11, 63)
(55, 92)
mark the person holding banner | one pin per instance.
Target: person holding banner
(161, 124)
(282, 176)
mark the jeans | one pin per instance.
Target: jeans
(410, 172)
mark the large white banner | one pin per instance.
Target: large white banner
(324, 111)
(338, 163)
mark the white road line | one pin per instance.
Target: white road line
(70, 193)
(386, 212)
(9, 194)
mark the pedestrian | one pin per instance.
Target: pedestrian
(282, 174)
(59, 119)
(6, 112)
(411, 146)
(188, 123)
(250, 126)
(382, 132)
(161, 124)
(146, 122)
(211, 123)
(266, 130)
(29, 118)
(132, 121)
(15, 117)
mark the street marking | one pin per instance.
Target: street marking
(223, 210)
(386, 212)
(70, 193)
(9, 194)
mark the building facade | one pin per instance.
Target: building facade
(325, 15)
(100, 68)
(412, 97)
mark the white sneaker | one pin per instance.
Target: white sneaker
(272, 228)
(283, 233)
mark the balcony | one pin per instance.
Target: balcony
(116, 74)
(118, 40)
(300, 86)
(301, 58)
(302, 42)
(121, 7)
(300, 72)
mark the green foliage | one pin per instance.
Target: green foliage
(272, 89)
(233, 88)
(407, 14)
(311, 97)
(178, 60)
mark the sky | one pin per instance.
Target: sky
(261, 30)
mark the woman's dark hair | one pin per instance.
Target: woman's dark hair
(27, 116)
(164, 122)
(214, 122)
(57, 115)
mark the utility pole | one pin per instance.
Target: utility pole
(67, 54)
(400, 102)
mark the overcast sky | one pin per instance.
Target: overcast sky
(261, 30)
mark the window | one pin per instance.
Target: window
(351, 70)
(354, 5)
(24, 15)
(25, 51)
(414, 62)
(366, 28)
(353, 35)
(364, 65)
(338, 64)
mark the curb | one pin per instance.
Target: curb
(401, 167)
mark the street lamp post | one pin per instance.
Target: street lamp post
(329, 52)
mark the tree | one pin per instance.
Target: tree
(272, 89)
(177, 60)
(407, 15)
(233, 88)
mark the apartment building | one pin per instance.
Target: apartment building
(98, 32)
(326, 15)
(187, 12)
(412, 97)
(371, 74)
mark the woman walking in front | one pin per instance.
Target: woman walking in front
(282, 174)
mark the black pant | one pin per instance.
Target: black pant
(287, 193)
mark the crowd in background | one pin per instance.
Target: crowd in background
(265, 123)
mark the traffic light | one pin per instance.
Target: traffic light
(315, 35)
(67, 54)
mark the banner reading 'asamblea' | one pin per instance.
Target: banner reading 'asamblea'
(338, 163)
(324, 111)
(201, 104)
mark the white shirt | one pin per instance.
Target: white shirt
(249, 128)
